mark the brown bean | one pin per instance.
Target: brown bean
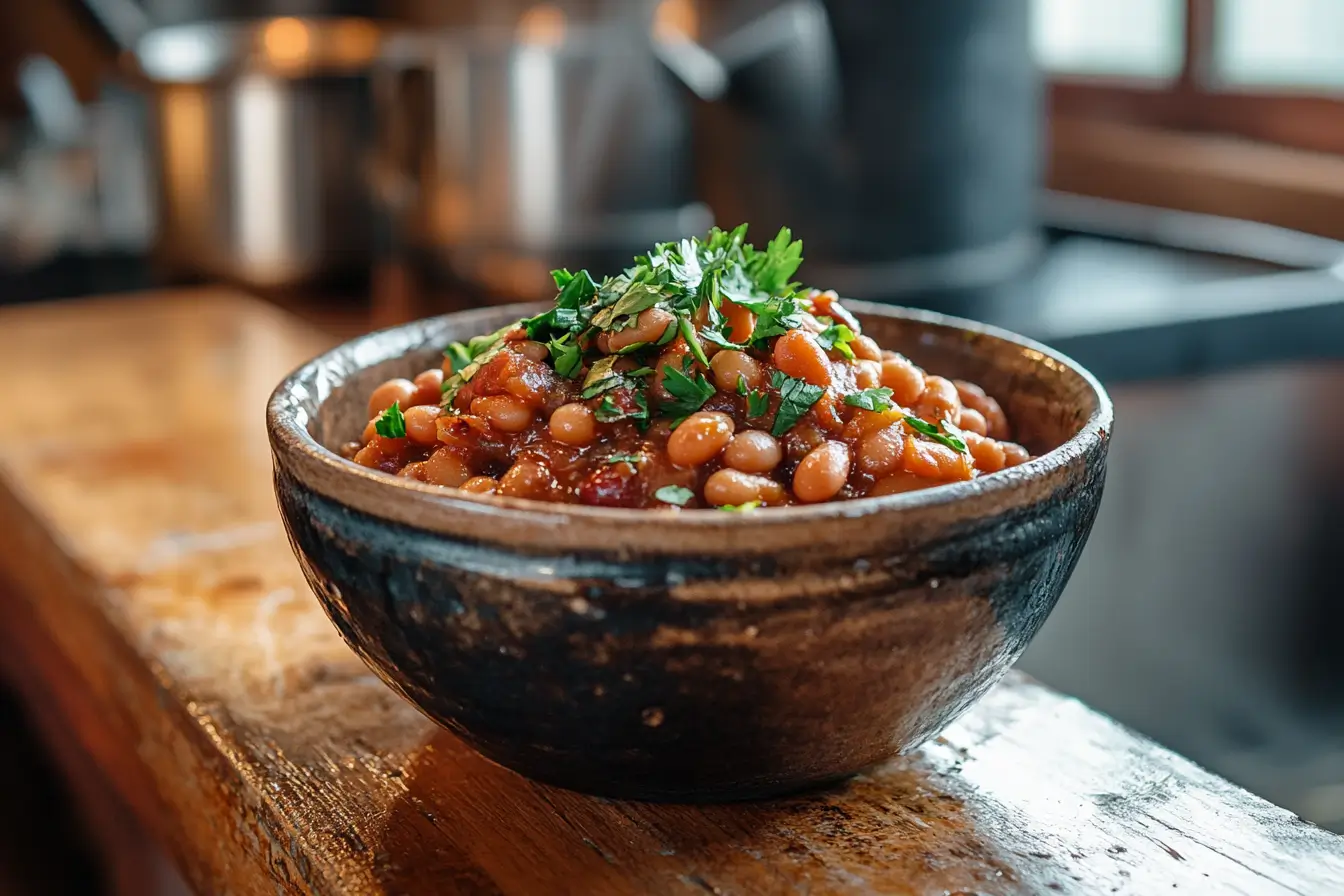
(527, 479)
(899, 483)
(867, 374)
(988, 453)
(444, 467)
(532, 351)
(505, 413)
(370, 431)
(879, 454)
(422, 424)
(903, 378)
(398, 390)
(480, 485)
(1014, 454)
(428, 388)
(939, 401)
(753, 451)
(866, 349)
(573, 424)
(799, 355)
(731, 367)
(649, 326)
(734, 487)
(972, 420)
(972, 396)
(822, 473)
(699, 439)
(933, 460)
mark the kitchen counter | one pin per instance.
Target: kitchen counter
(154, 619)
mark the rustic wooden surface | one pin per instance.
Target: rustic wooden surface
(153, 606)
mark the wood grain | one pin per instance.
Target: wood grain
(161, 612)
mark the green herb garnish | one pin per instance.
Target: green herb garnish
(688, 333)
(690, 391)
(741, 385)
(796, 397)
(674, 494)
(608, 411)
(741, 508)
(391, 423)
(877, 399)
(625, 459)
(951, 437)
(566, 356)
(758, 403)
(837, 337)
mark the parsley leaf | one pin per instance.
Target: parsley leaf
(458, 354)
(758, 404)
(775, 317)
(838, 337)
(608, 411)
(741, 508)
(674, 494)
(391, 424)
(689, 391)
(741, 385)
(688, 333)
(711, 335)
(951, 438)
(567, 357)
(877, 398)
(625, 459)
(796, 397)
(772, 269)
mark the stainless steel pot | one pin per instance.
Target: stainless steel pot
(263, 130)
(508, 151)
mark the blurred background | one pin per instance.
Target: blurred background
(1153, 186)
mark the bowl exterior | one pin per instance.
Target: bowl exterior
(652, 675)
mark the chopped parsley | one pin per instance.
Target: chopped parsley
(741, 508)
(877, 399)
(566, 356)
(951, 436)
(608, 411)
(741, 385)
(674, 494)
(796, 398)
(625, 459)
(391, 424)
(689, 391)
(758, 403)
(837, 337)
(688, 333)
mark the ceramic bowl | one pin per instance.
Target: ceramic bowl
(693, 655)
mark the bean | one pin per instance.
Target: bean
(972, 420)
(671, 357)
(898, 483)
(369, 431)
(573, 424)
(428, 388)
(398, 390)
(1014, 454)
(798, 354)
(867, 374)
(864, 423)
(527, 479)
(988, 453)
(414, 471)
(532, 351)
(939, 401)
(650, 326)
(879, 454)
(822, 473)
(802, 439)
(812, 325)
(866, 349)
(731, 367)
(733, 487)
(903, 378)
(972, 396)
(933, 460)
(422, 424)
(480, 485)
(753, 451)
(505, 413)
(738, 321)
(445, 467)
(699, 439)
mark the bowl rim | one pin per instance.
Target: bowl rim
(551, 525)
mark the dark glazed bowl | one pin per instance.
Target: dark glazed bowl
(697, 655)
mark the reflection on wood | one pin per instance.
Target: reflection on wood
(159, 608)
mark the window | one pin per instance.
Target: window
(1134, 38)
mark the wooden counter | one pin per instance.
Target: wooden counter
(151, 609)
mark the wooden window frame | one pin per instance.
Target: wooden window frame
(1271, 156)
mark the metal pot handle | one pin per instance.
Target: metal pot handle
(795, 30)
